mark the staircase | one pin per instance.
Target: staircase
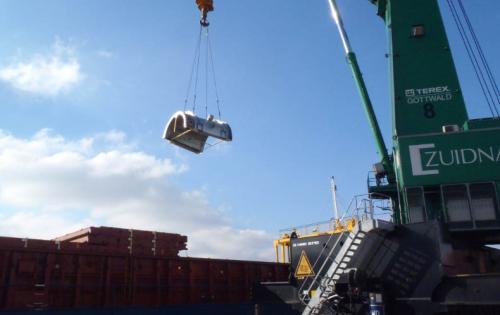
(336, 264)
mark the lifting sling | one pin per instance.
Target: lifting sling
(185, 129)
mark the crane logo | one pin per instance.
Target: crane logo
(422, 155)
(430, 94)
(410, 93)
(416, 160)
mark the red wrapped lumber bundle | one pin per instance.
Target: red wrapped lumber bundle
(135, 242)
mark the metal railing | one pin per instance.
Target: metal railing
(369, 206)
(307, 229)
(362, 207)
(374, 181)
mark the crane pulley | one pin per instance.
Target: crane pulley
(185, 129)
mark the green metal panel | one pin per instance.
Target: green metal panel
(426, 93)
(460, 157)
(482, 123)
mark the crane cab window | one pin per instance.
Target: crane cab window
(471, 205)
(484, 204)
(417, 31)
(457, 207)
(416, 204)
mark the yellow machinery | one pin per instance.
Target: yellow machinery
(282, 245)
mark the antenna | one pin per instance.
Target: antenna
(334, 196)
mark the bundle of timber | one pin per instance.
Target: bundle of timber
(136, 242)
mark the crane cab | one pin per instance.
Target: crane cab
(191, 132)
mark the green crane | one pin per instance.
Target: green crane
(443, 178)
(443, 166)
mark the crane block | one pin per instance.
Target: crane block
(205, 5)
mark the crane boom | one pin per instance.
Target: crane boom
(363, 92)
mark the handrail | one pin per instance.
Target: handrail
(363, 202)
(314, 280)
(373, 181)
(354, 208)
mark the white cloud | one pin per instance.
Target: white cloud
(53, 186)
(45, 74)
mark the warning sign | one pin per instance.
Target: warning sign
(304, 268)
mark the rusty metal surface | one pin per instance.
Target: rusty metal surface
(127, 240)
(38, 274)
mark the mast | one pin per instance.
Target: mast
(334, 197)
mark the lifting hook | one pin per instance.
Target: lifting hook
(205, 6)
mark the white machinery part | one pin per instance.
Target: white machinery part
(191, 132)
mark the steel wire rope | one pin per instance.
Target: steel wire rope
(486, 65)
(196, 52)
(206, 74)
(195, 69)
(470, 53)
(477, 67)
(197, 73)
(217, 99)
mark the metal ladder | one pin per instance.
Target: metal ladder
(337, 261)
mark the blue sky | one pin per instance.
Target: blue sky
(87, 87)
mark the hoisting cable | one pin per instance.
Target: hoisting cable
(203, 46)
(217, 99)
(206, 74)
(472, 57)
(486, 66)
(196, 77)
(193, 67)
